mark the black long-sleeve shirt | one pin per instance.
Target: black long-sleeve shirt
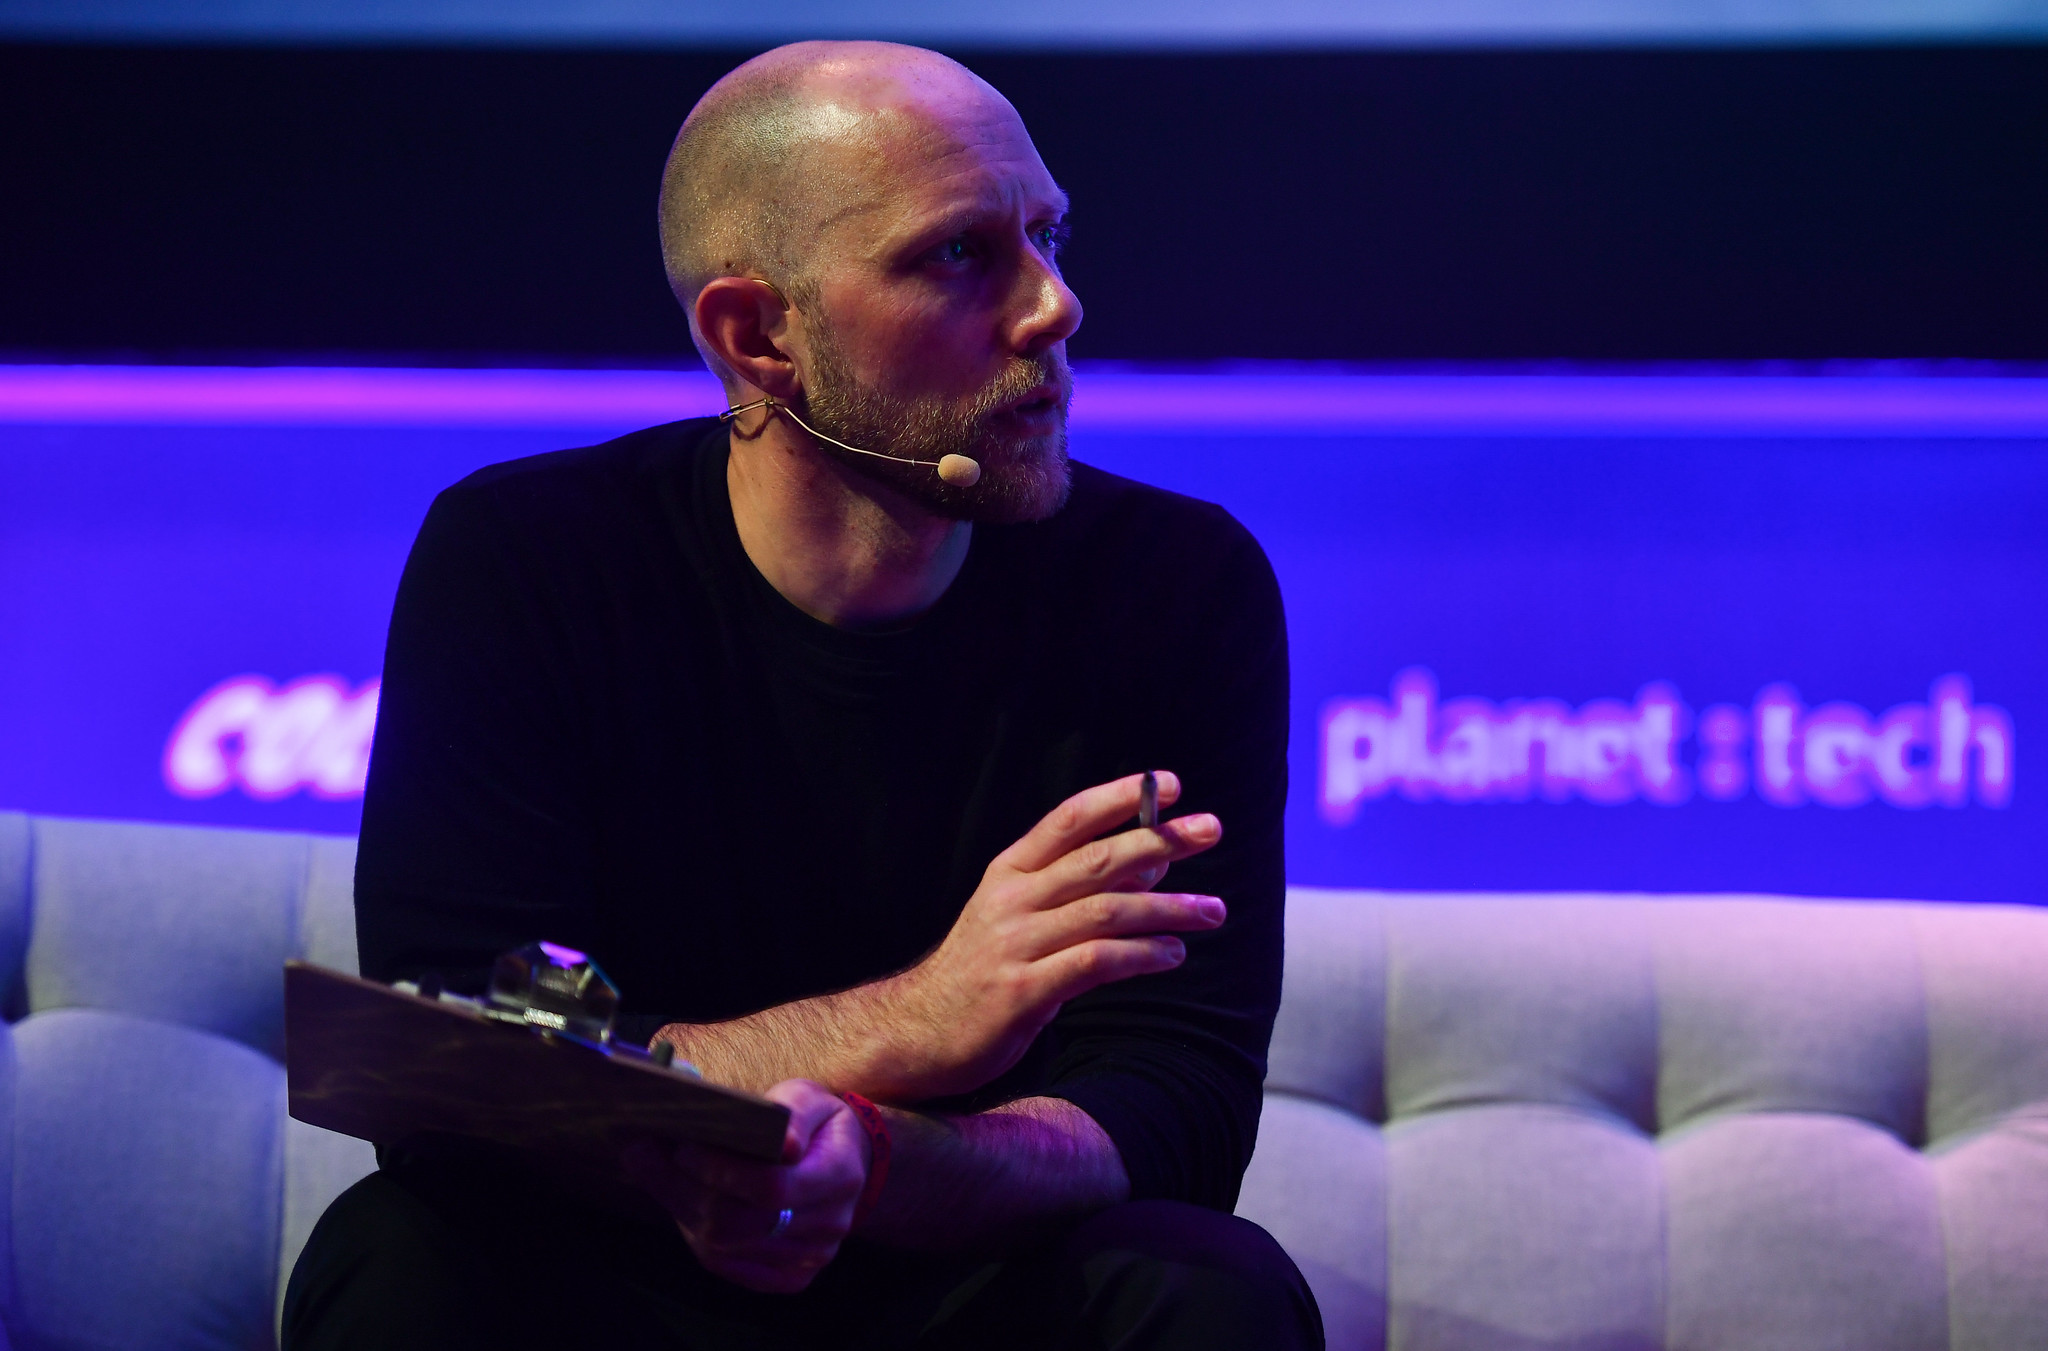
(601, 725)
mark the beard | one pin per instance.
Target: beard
(1024, 474)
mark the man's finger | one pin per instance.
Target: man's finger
(810, 1106)
(765, 1277)
(1099, 961)
(1117, 914)
(765, 1186)
(1116, 862)
(735, 1226)
(826, 1173)
(1082, 817)
(1144, 879)
(652, 1167)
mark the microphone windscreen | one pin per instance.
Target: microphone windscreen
(959, 471)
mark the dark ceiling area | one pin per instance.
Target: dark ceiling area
(475, 205)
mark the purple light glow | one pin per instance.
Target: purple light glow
(342, 396)
(1563, 405)
(1279, 398)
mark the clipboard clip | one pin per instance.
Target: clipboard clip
(556, 989)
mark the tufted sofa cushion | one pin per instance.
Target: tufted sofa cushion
(157, 1192)
(150, 1215)
(1596, 1123)
(182, 925)
(1609, 1122)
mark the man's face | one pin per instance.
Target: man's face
(936, 320)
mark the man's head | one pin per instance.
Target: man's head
(895, 202)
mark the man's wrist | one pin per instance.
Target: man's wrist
(882, 1062)
(880, 1148)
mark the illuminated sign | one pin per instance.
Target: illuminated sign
(311, 735)
(1563, 537)
(1947, 751)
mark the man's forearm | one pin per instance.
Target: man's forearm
(988, 1181)
(995, 1180)
(1062, 911)
(884, 1040)
(839, 1040)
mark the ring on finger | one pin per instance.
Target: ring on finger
(782, 1220)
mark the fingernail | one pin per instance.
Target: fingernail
(1211, 908)
(1202, 826)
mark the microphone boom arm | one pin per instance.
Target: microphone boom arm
(958, 470)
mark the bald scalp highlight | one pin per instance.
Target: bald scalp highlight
(753, 173)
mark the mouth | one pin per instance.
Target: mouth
(1037, 404)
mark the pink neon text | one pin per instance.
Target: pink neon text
(1945, 751)
(1472, 750)
(312, 734)
(1839, 755)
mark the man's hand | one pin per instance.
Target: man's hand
(1058, 913)
(728, 1207)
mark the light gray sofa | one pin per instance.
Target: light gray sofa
(158, 1195)
(1583, 1123)
(1703, 1123)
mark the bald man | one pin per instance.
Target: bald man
(822, 726)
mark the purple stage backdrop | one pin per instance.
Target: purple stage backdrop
(1740, 632)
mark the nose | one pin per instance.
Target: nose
(1047, 309)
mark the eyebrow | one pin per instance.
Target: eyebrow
(952, 222)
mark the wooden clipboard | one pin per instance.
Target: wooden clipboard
(386, 1066)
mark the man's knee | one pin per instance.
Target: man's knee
(382, 1268)
(1210, 1276)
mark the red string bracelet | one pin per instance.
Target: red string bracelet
(870, 1118)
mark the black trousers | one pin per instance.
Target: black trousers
(440, 1255)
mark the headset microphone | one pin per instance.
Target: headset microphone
(957, 470)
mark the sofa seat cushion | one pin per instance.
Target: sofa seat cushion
(147, 1186)
(1680, 1124)
(1318, 1184)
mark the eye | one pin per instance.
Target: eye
(958, 249)
(1051, 238)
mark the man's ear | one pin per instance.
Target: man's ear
(744, 321)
